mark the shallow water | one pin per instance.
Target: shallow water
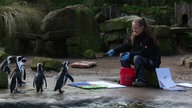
(73, 97)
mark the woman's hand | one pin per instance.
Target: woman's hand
(111, 52)
(125, 56)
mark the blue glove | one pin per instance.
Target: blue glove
(125, 56)
(111, 52)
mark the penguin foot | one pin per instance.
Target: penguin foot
(42, 90)
(16, 91)
(23, 82)
(61, 91)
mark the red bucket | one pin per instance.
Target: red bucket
(127, 76)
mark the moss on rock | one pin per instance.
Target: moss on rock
(112, 25)
(162, 31)
(89, 54)
(119, 23)
(48, 63)
(151, 78)
(3, 80)
(84, 32)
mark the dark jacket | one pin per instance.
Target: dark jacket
(143, 46)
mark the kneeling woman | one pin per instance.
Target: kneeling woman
(142, 50)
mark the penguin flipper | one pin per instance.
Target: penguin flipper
(70, 77)
(7, 69)
(34, 81)
(11, 75)
(45, 81)
(24, 74)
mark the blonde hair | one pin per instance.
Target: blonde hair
(147, 29)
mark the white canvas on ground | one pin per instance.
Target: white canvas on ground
(167, 82)
(165, 79)
(163, 73)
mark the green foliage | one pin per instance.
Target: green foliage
(19, 18)
(7, 2)
(152, 10)
(63, 3)
(131, 9)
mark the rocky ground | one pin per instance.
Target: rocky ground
(107, 69)
(109, 66)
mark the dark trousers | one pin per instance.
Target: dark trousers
(140, 63)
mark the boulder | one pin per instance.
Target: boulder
(151, 78)
(162, 31)
(3, 55)
(3, 80)
(71, 23)
(167, 46)
(114, 36)
(3, 75)
(118, 23)
(48, 63)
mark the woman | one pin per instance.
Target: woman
(143, 50)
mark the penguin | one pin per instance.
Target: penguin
(5, 65)
(20, 62)
(22, 69)
(14, 81)
(16, 75)
(62, 77)
(39, 78)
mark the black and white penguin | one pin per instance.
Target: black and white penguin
(5, 65)
(20, 66)
(14, 81)
(62, 77)
(39, 79)
(22, 69)
(16, 75)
